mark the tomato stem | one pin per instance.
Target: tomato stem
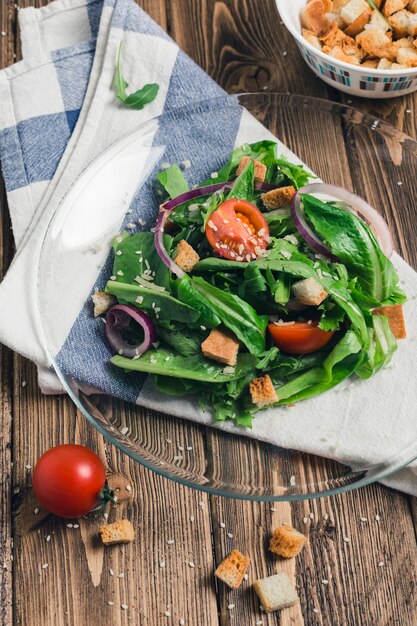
(106, 495)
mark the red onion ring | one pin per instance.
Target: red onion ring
(376, 221)
(118, 318)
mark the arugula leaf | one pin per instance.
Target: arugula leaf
(382, 346)
(185, 341)
(297, 175)
(352, 241)
(244, 185)
(280, 222)
(188, 294)
(136, 255)
(195, 367)
(236, 314)
(135, 100)
(332, 316)
(173, 181)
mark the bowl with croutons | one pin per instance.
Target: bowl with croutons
(366, 48)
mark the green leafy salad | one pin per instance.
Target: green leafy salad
(253, 289)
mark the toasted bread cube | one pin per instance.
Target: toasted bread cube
(314, 16)
(338, 5)
(352, 10)
(277, 198)
(286, 541)
(377, 21)
(275, 592)
(407, 57)
(376, 43)
(262, 391)
(311, 38)
(338, 53)
(221, 347)
(404, 23)
(186, 257)
(392, 6)
(102, 302)
(309, 292)
(233, 569)
(413, 6)
(372, 63)
(118, 532)
(395, 315)
(384, 64)
(359, 24)
(260, 168)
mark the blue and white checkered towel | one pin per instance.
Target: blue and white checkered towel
(57, 113)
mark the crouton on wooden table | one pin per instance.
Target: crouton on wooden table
(262, 391)
(286, 541)
(275, 592)
(259, 168)
(102, 302)
(117, 532)
(395, 315)
(309, 292)
(186, 257)
(233, 569)
(221, 346)
(277, 198)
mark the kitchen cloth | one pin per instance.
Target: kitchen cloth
(58, 112)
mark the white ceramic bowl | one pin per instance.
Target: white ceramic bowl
(357, 81)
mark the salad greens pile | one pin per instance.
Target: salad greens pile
(245, 296)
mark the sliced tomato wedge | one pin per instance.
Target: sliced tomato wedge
(299, 337)
(237, 230)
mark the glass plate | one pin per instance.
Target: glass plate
(342, 146)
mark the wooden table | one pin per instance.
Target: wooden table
(52, 574)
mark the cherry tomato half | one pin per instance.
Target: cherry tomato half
(299, 337)
(237, 230)
(68, 479)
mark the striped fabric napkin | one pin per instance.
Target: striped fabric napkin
(58, 112)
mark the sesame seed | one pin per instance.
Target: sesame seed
(311, 515)
(36, 511)
(214, 175)
(178, 458)
(399, 182)
(70, 525)
(222, 525)
(3, 34)
(128, 488)
(201, 504)
(187, 164)
(113, 277)
(170, 541)
(305, 520)
(192, 518)
(203, 328)
(245, 576)
(111, 572)
(45, 566)
(162, 564)
(167, 614)
(191, 564)
(364, 519)
(212, 225)
(181, 622)
(325, 582)
(141, 222)
(28, 467)
(24, 383)
(121, 575)
(230, 535)
(48, 538)
(189, 448)
(274, 510)
(165, 165)
(377, 518)
(119, 253)
(315, 611)
(124, 607)
(259, 622)
(124, 430)
(230, 607)
(168, 440)
(326, 517)
(110, 603)
(76, 525)
(381, 564)
(346, 539)
(181, 448)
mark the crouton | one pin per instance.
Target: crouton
(359, 24)
(338, 53)
(275, 592)
(262, 391)
(376, 43)
(278, 198)
(260, 168)
(372, 63)
(286, 541)
(395, 315)
(314, 16)
(404, 23)
(102, 302)
(392, 6)
(384, 64)
(338, 44)
(338, 5)
(352, 10)
(309, 292)
(407, 57)
(377, 21)
(398, 66)
(221, 347)
(311, 38)
(413, 6)
(186, 257)
(233, 569)
(118, 532)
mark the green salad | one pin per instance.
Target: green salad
(253, 289)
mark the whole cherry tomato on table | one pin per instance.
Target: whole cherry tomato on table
(237, 230)
(70, 480)
(299, 337)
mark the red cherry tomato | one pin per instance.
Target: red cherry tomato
(67, 480)
(237, 230)
(299, 337)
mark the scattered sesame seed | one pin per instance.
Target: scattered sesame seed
(36, 511)
(292, 481)
(45, 566)
(189, 448)
(191, 564)
(121, 352)
(111, 572)
(230, 535)
(311, 515)
(222, 525)
(124, 430)
(212, 225)
(70, 525)
(110, 603)
(124, 607)
(192, 518)
(162, 564)
(305, 520)
(24, 383)
(326, 517)
(170, 541)
(112, 277)
(168, 440)
(364, 519)
(346, 539)
(315, 611)
(182, 622)
(141, 222)
(284, 53)
(259, 622)
(201, 504)
(408, 110)
(245, 576)
(181, 448)
(3, 34)
(165, 165)
(167, 614)
(187, 164)
(203, 328)
(377, 518)
(128, 488)
(48, 538)
(76, 525)
(381, 564)
(28, 467)
(214, 175)
(119, 253)
(178, 458)
(325, 582)
(274, 510)
(230, 607)
(121, 575)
